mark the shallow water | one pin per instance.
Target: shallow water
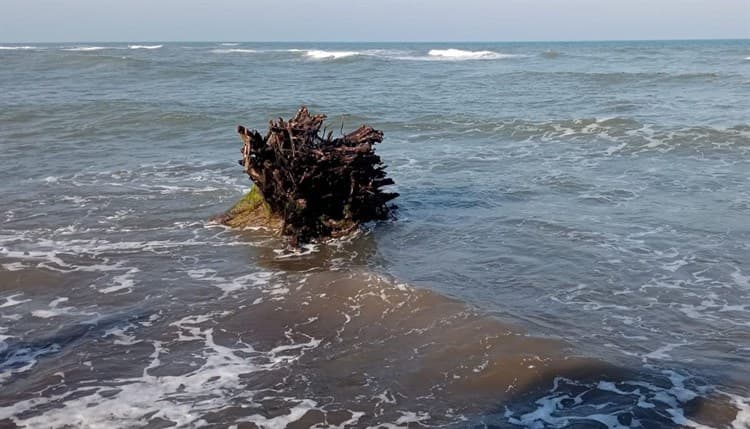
(571, 248)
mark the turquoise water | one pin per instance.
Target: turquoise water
(590, 196)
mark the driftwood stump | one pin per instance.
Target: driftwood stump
(316, 185)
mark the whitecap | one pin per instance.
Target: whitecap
(229, 44)
(17, 48)
(459, 54)
(145, 46)
(322, 55)
(86, 48)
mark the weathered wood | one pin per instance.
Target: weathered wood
(317, 185)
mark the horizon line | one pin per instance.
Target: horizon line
(687, 39)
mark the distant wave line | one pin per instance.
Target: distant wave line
(17, 48)
(145, 46)
(89, 48)
(459, 54)
(321, 54)
(233, 50)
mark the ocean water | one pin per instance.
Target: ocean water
(572, 246)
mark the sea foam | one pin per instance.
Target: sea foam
(459, 54)
(86, 48)
(145, 46)
(321, 55)
(17, 48)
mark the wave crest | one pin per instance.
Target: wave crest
(86, 48)
(17, 48)
(460, 54)
(323, 55)
(145, 46)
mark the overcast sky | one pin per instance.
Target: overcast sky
(370, 20)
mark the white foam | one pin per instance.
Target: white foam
(741, 279)
(412, 417)
(17, 48)
(135, 397)
(282, 421)
(145, 46)
(201, 273)
(305, 249)
(558, 408)
(675, 265)
(121, 335)
(123, 281)
(459, 54)
(322, 55)
(229, 286)
(614, 149)
(406, 420)
(3, 345)
(12, 301)
(234, 51)
(217, 380)
(229, 44)
(86, 48)
(14, 266)
(742, 420)
(253, 279)
(54, 309)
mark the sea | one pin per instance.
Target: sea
(571, 246)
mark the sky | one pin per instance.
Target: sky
(370, 20)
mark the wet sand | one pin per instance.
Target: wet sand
(309, 347)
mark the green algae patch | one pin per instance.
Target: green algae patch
(251, 211)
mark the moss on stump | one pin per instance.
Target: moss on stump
(251, 211)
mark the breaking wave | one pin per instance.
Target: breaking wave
(87, 48)
(145, 46)
(321, 55)
(459, 54)
(17, 48)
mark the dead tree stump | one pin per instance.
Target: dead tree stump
(316, 185)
